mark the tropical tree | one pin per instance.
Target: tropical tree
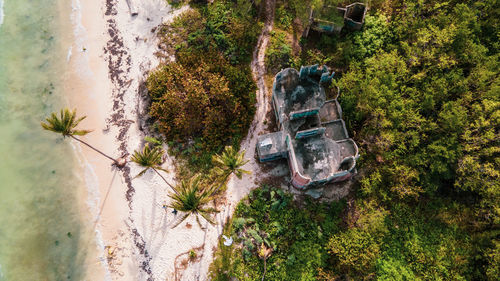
(150, 158)
(264, 253)
(66, 124)
(191, 198)
(229, 162)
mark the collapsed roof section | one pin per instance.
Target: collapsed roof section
(312, 134)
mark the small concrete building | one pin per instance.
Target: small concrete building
(312, 134)
(332, 20)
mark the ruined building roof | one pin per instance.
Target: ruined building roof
(311, 135)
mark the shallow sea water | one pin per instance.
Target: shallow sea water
(43, 235)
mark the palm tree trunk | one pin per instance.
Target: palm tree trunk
(222, 183)
(102, 153)
(264, 274)
(165, 181)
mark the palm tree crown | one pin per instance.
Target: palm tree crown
(65, 124)
(150, 158)
(191, 198)
(230, 162)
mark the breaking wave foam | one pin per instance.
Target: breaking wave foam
(1, 12)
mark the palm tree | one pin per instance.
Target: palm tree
(229, 162)
(150, 158)
(191, 198)
(264, 253)
(66, 124)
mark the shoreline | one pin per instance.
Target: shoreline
(107, 69)
(89, 86)
(1, 12)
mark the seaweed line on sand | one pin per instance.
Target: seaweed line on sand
(119, 63)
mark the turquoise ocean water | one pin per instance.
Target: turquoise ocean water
(42, 230)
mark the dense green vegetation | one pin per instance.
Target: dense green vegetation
(269, 218)
(205, 99)
(420, 94)
(279, 52)
(425, 105)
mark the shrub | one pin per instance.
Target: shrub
(373, 37)
(295, 256)
(279, 52)
(205, 99)
(191, 103)
(192, 255)
(238, 224)
(355, 251)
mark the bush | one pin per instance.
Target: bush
(279, 52)
(374, 36)
(419, 92)
(238, 224)
(192, 103)
(355, 251)
(205, 99)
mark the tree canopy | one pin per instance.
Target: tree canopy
(419, 89)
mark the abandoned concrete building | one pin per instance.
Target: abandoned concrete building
(312, 134)
(332, 20)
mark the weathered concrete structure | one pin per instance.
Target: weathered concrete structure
(312, 134)
(333, 19)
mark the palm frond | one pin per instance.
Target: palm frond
(80, 132)
(181, 220)
(209, 210)
(207, 217)
(141, 173)
(78, 121)
(191, 197)
(230, 161)
(64, 124)
(239, 173)
(148, 157)
(162, 169)
(198, 221)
